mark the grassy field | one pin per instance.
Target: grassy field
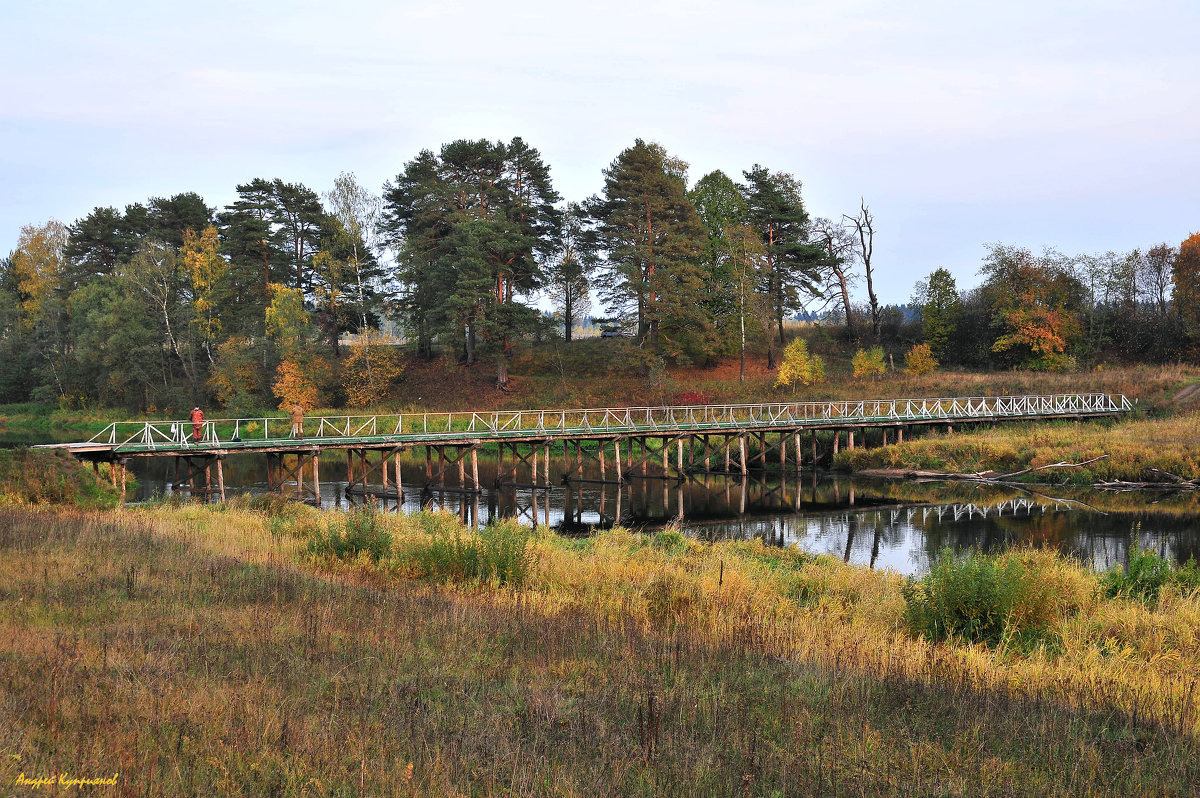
(219, 650)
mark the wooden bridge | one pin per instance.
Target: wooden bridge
(625, 442)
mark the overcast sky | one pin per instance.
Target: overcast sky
(1070, 125)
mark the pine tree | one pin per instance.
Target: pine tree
(794, 266)
(938, 298)
(472, 225)
(653, 240)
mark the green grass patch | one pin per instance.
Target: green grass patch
(1146, 574)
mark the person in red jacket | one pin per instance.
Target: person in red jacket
(197, 417)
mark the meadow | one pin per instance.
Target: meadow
(265, 647)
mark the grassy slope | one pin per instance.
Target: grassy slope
(30, 476)
(187, 649)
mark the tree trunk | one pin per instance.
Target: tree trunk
(502, 371)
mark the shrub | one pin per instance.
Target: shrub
(360, 532)
(976, 598)
(500, 553)
(920, 360)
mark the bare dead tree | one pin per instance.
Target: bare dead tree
(864, 228)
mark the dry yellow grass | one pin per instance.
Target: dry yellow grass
(198, 651)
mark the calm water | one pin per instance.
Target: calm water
(879, 523)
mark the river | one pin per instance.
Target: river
(893, 524)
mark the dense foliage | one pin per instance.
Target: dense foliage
(171, 302)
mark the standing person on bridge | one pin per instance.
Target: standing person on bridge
(197, 417)
(297, 421)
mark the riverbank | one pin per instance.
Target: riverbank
(1128, 451)
(265, 646)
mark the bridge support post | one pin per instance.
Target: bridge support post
(399, 485)
(603, 468)
(220, 477)
(796, 442)
(836, 435)
(679, 458)
(316, 469)
(899, 435)
(745, 470)
(850, 440)
(474, 473)
(620, 476)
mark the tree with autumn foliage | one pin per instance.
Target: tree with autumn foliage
(206, 268)
(371, 369)
(1034, 305)
(799, 366)
(920, 360)
(1185, 284)
(303, 376)
(868, 363)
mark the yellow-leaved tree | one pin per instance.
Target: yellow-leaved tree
(303, 376)
(205, 267)
(370, 370)
(799, 366)
(920, 360)
(868, 363)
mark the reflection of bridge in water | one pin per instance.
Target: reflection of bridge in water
(621, 444)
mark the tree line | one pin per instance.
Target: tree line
(171, 301)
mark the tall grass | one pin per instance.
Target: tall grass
(196, 652)
(498, 554)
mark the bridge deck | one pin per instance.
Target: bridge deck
(267, 434)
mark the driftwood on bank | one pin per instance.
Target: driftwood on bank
(1165, 480)
(975, 476)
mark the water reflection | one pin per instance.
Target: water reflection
(876, 523)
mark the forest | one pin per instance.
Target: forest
(289, 296)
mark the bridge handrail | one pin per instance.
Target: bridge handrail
(215, 432)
